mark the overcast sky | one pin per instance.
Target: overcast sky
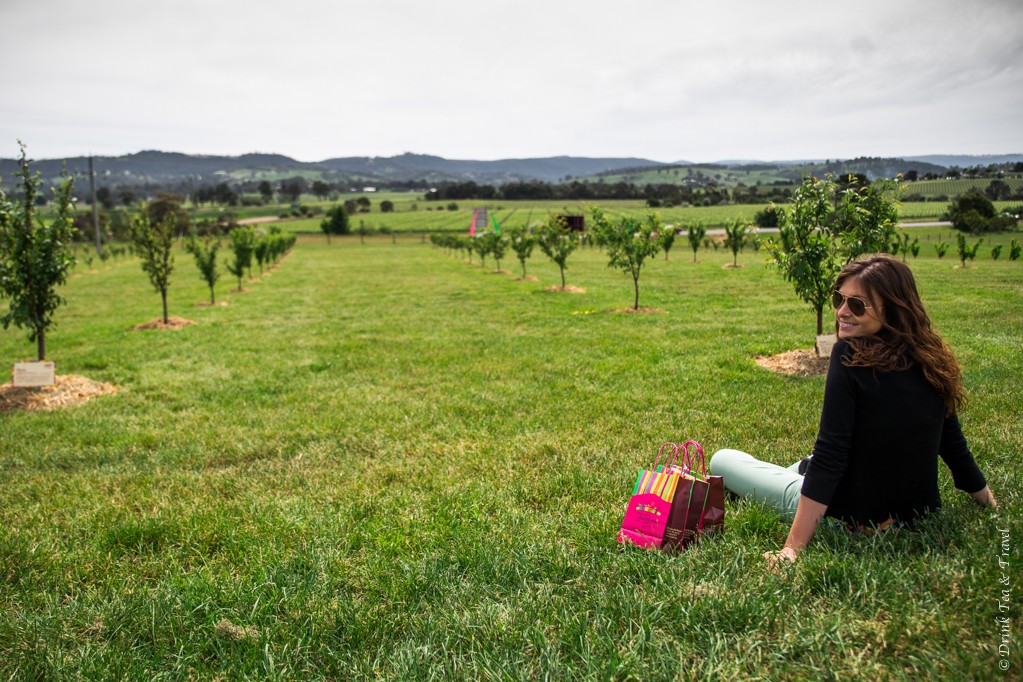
(666, 80)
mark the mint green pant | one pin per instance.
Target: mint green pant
(747, 476)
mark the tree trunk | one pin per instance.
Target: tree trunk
(212, 301)
(820, 320)
(41, 345)
(163, 295)
(635, 283)
(562, 278)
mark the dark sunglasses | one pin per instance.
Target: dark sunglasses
(857, 306)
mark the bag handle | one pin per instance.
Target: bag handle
(670, 459)
(678, 457)
(703, 457)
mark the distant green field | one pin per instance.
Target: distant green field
(952, 188)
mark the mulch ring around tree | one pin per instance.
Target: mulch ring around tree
(171, 323)
(529, 278)
(639, 310)
(802, 362)
(69, 390)
(567, 289)
(207, 304)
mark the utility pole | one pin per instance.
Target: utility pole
(95, 208)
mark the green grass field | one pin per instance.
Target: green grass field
(433, 216)
(384, 462)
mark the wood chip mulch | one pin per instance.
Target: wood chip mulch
(639, 310)
(802, 362)
(567, 289)
(158, 323)
(68, 391)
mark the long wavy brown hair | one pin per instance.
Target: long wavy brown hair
(906, 337)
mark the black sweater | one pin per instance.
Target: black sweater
(876, 455)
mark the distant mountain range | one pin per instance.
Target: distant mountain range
(168, 168)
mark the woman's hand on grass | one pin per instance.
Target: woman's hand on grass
(985, 497)
(786, 555)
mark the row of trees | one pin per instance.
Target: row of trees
(36, 256)
(629, 243)
(655, 195)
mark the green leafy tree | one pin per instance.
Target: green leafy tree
(336, 222)
(1015, 249)
(480, 246)
(496, 245)
(867, 216)
(266, 191)
(735, 238)
(205, 254)
(154, 245)
(966, 252)
(814, 241)
(236, 268)
(902, 245)
(996, 251)
(971, 212)
(262, 251)
(320, 189)
(243, 244)
(35, 257)
(386, 206)
(628, 244)
(167, 207)
(522, 243)
(557, 242)
(806, 253)
(666, 240)
(941, 248)
(695, 234)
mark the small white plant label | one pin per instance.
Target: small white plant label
(825, 342)
(32, 374)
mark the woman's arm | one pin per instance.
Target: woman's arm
(808, 516)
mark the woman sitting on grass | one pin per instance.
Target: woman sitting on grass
(890, 403)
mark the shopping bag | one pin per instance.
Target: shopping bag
(646, 517)
(698, 507)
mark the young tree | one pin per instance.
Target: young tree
(735, 238)
(965, 250)
(496, 245)
(34, 257)
(695, 234)
(902, 245)
(336, 222)
(479, 245)
(628, 244)
(1015, 248)
(243, 243)
(205, 254)
(153, 244)
(522, 243)
(806, 253)
(867, 216)
(666, 239)
(941, 248)
(262, 251)
(557, 242)
(236, 268)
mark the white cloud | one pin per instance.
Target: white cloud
(661, 79)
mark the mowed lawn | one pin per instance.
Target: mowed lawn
(384, 462)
